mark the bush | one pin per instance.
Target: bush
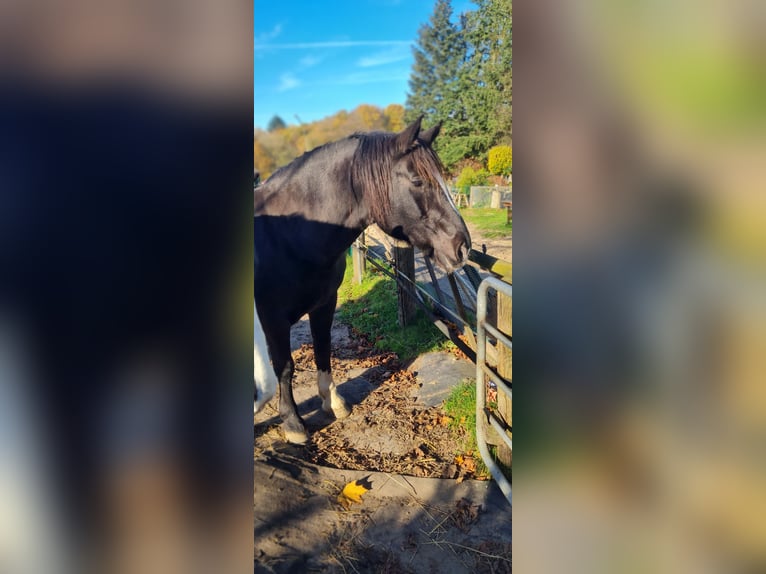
(469, 177)
(500, 160)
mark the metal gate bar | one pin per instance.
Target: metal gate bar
(482, 328)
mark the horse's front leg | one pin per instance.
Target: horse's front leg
(278, 338)
(321, 324)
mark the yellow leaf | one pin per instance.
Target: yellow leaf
(354, 490)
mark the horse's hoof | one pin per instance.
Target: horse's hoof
(340, 411)
(296, 437)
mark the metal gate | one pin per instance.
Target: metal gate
(483, 370)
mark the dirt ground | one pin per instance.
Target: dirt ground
(425, 513)
(403, 524)
(500, 247)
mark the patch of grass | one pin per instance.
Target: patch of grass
(461, 407)
(370, 308)
(491, 222)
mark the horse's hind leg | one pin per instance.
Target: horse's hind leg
(321, 324)
(263, 373)
(278, 338)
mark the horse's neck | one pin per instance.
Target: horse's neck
(319, 189)
(332, 213)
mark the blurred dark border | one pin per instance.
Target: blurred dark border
(126, 285)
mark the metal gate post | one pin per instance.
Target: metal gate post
(483, 370)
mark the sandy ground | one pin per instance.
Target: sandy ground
(403, 524)
(412, 520)
(500, 247)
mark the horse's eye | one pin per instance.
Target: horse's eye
(417, 182)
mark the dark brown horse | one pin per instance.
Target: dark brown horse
(308, 213)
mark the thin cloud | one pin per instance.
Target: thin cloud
(265, 37)
(309, 61)
(395, 54)
(330, 44)
(359, 78)
(288, 82)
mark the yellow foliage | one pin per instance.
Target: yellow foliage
(394, 114)
(277, 148)
(371, 116)
(500, 160)
(353, 492)
(263, 163)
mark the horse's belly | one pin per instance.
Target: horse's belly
(299, 294)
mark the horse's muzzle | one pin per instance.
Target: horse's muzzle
(462, 245)
(461, 251)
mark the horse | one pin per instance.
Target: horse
(307, 215)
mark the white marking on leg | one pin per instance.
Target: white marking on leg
(332, 402)
(263, 373)
(296, 437)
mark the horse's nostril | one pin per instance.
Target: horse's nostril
(461, 251)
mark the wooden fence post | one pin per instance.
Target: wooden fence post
(358, 259)
(404, 260)
(499, 314)
(505, 370)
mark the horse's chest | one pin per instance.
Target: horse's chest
(300, 290)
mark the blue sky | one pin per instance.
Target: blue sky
(312, 59)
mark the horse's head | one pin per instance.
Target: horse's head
(417, 206)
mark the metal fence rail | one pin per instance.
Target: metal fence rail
(483, 328)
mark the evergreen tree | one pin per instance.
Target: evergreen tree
(276, 123)
(487, 76)
(439, 54)
(462, 77)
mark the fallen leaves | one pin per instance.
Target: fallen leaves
(465, 514)
(466, 464)
(388, 431)
(352, 492)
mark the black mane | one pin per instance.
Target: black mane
(373, 162)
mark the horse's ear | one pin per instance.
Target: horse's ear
(428, 136)
(410, 134)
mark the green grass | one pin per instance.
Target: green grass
(461, 407)
(491, 222)
(370, 308)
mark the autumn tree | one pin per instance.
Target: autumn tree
(371, 116)
(273, 149)
(394, 116)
